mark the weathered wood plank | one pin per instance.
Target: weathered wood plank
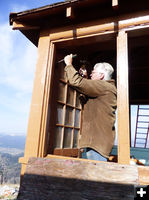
(73, 179)
(143, 175)
(80, 169)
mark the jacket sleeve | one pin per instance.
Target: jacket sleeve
(92, 88)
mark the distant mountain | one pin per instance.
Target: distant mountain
(9, 141)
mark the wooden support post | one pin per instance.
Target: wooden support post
(122, 100)
(36, 134)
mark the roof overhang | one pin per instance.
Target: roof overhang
(29, 22)
(69, 12)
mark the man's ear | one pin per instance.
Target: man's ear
(101, 75)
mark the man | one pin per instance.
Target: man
(98, 132)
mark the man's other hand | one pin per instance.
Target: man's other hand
(83, 72)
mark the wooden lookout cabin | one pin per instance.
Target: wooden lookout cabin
(115, 31)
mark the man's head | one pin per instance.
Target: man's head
(102, 71)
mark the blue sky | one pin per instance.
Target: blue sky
(17, 66)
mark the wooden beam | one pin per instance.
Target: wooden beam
(69, 32)
(134, 23)
(20, 26)
(69, 12)
(99, 27)
(60, 178)
(83, 170)
(122, 100)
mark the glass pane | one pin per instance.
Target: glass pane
(62, 73)
(60, 112)
(67, 137)
(57, 139)
(78, 100)
(70, 96)
(75, 138)
(61, 91)
(77, 118)
(69, 116)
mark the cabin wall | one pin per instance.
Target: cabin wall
(37, 136)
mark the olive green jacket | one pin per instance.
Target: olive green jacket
(98, 130)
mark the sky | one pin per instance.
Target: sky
(17, 67)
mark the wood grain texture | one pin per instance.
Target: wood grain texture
(143, 175)
(79, 169)
(38, 96)
(74, 179)
(123, 99)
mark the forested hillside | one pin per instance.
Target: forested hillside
(11, 149)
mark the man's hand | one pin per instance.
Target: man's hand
(68, 59)
(83, 72)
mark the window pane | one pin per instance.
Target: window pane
(78, 100)
(75, 138)
(61, 91)
(67, 137)
(62, 73)
(70, 96)
(57, 139)
(60, 112)
(77, 118)
(69, 116)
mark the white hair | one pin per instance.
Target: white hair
(106, 69)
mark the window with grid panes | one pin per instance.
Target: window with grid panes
(68, 116)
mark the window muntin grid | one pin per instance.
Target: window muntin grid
(68, 115)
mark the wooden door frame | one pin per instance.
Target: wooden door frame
(123, 26)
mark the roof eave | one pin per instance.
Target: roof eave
(14, 16)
